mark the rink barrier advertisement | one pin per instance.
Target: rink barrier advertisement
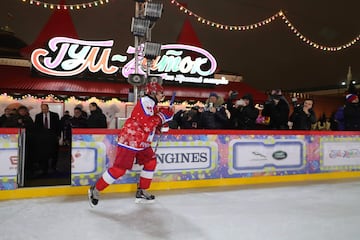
(206, 155)
(207, 158)
(9, 141)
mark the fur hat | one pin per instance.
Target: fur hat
(351, 97)
(213, 94)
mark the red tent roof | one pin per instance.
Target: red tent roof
(188, 35)
(59, 24)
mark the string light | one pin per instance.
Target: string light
(67, 6)
(279, 15)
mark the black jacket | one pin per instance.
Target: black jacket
(97, 119)
(352, 116)
(243, 117)
(55, 125)
(279, 114)
(301, 120)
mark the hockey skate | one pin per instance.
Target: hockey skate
(144, 197)
(93, 195)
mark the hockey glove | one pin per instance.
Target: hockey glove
(165, 115)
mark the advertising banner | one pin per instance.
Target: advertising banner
(8, 161)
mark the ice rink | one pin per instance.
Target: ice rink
(321, 211)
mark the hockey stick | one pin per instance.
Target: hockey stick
(171, 104)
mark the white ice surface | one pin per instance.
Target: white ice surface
(321, 211)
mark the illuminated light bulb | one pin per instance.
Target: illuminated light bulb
(181, 8)
(95, 4)
(71, 7)
(199, 19)
(38, 3)
(45, 5)
(31, 2)
(84, 6)
(58, 6)
(52, 6)
(77, 7)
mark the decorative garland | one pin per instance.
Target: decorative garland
(262, 23)
(67, 6)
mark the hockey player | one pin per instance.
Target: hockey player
(134, 142)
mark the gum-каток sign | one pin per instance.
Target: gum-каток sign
(66, 57)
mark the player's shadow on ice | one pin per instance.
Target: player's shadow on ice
(153, 221)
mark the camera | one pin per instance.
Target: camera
(295, 103)
(234, 94)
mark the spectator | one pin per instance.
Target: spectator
(323, 123)
(277, 108)
(48, 132)
(66, 128)
(339, 119)
(214, 115)
(352, 113)
(8, 119)
(97, 118)
(243, 115)
(83, 113)
(23, 118)
(303, 116)
(78, 120)
(187, 119)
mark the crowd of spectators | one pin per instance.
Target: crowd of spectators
(44, 133)
(231, 112)
(276, 113)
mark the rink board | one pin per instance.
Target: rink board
(198, 158)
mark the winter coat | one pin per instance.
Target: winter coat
(243, 117)
(279, 114)
(97, 119)
(217, 120)
(352, 116)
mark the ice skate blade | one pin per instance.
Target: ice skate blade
(89, 197)
(143, 201)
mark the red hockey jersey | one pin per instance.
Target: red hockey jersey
(139, 129)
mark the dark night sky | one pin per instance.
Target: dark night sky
(268, 57)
